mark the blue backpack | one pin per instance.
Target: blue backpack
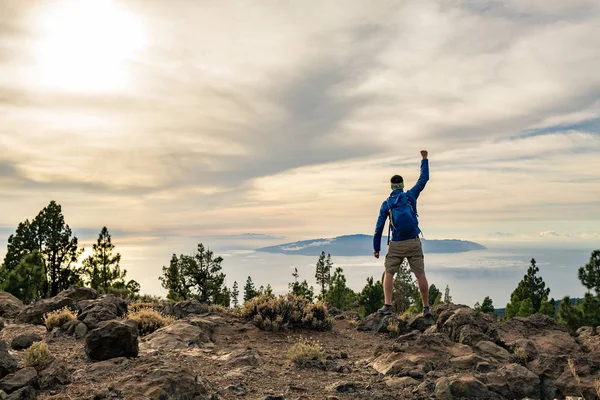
(403, 218)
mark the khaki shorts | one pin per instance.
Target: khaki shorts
(410, 249)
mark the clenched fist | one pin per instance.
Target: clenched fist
(424, 153)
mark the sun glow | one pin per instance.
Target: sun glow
(86, 46)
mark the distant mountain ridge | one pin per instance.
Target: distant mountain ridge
(362, 245)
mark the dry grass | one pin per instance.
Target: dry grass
(218, 309)
(140, 305)
(37, 354)
(353, 323)
(58, 318)
(597, 386)
(286, 311)
(576, 376)
(393, 329)
(520, 356)
(149, 320)
(305, 351)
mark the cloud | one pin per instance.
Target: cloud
(503, 234)
(292, 119)
(550, 234)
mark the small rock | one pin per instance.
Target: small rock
(26, 393)
(21, 378)
(467, 362)
(242, 357)
(493, 350)
(80, 331)
(8, 365)
(273, 397)
(400, 383)
(24, 341)
(55, 375)
(420, 323)
(484, 367)
(237, 389)
(343, 387)
(343, 355)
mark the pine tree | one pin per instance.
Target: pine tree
(371, 297)
(433, 293)
(526, 308)
(438, 300)
(197, 276)
(405, 291)
(53, 239)
(323, 272)
(339, 295)
(447, 297)
(486, 307)
(301, 289)
(235, 293)
(27, 280)
(589, 275)
(250, 291)
(590, 310)
(102, 268)
(532, 288)
(269, 290)
(568, 314)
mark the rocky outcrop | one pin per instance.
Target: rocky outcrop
(184, 308)
(105, 308)
(69, 298)
(10, 306)
(112, 339)
(465, 325)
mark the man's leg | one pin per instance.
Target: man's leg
(423, 288)
(388, 286)
(393, 259)
(417, 266)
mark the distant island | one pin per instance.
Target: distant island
(362, 245)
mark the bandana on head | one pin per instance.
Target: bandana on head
(396, 186)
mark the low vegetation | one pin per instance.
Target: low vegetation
(305, 351)
(286, 312)
(37, 354)
(149, 320)
(56, 319)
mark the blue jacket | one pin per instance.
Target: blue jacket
(412, 195)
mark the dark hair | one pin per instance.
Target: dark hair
(396, 179)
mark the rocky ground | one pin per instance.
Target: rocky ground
(458, 353)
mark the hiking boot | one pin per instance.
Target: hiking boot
(426, 312)
(385, 310)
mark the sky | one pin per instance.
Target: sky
(169, 121)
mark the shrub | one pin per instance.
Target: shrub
(58, 318)
(393, 328)
(520, 356)
(218, 309)
(149, 320)
(37, 354)
(305, 351)
(286, 312)
(139, 305)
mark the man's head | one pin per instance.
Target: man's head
(397, 182)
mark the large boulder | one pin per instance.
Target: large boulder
(467, 326)
(69, 298)
(184, 308)
(105, 308)
(493, 350)
(514, 381)
(462, 387)
(20, 379)
(8, 365)
(180, 335)
(155, 381)
(10, 306)
(112, 339)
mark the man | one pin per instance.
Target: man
(401, 207)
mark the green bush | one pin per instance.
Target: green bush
(37, 354)
(286, 312)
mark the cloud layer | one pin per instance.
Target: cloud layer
(288, 119)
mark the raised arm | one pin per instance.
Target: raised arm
(423, 177)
